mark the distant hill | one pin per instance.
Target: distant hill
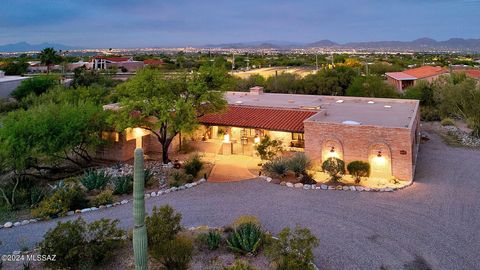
(27, 47)
(420, 44)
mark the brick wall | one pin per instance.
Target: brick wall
(358, 143)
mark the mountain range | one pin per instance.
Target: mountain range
(421, 44)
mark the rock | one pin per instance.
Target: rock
(283, 183)
(189, 185)
(86, 210)
(173, 189)
(94, 208)
(268, 179)
(70, 213)
(34, 220)
(313, 186)
(78, 211)
(102, 206)
(147, 196)
(153, 194)
(307, 186)
(202, 180)
(352, 188)
(367, 189)
(194, 184)
(160, 192)
(108, 205)
(8, 224)
(289, 184)
(116, 203)
(317, 187)
(346, 188)
(331, 187)
(324, 187)
(167, 191)
(339, 188)
(24, 222)
(124, 202)
(360, 188)
(381, 190)
(389, 189)
(182, 187)
(16, 252)
(16, 224)
(298, 185)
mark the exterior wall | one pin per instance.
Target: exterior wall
(285, 137)
(395, 83)
(359, 142)
(7, 87)
(130, 65)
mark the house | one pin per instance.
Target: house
(9, 83)
(383, 132)
(406, 78)
(153, 62)
(123, 63)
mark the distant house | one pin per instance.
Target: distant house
(406, 78)
(123, 63)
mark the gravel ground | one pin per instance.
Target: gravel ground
(436, 220)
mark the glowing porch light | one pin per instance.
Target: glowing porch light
(256, 140)
(226, 138)
(379, 159)
(332, 153)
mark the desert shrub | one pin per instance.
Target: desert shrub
(178, 253)
(358, 169)
(429, 113)
(62, 200)
(105, 197)
(36, 85)
(246, 239)
(162, 227)
(123, 184)
(177, 178)
(335, 167)
(244, 220)
(293, 250)
(149, 178)
(193, 165)
(298, 163)
(276, 167)
(19, 191)
(211, 239)
(239, 265)
(268, 149)
(447, 122)
(78, 245)
(95, 179)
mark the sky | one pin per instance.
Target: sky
(149, 23)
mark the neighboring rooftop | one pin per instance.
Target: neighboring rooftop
(425, 71)
(335, 109)
(400, 76)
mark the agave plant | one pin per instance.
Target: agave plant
(246, 239)
(213, 240)
(95, 179)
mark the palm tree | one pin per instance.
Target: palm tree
(48, 57)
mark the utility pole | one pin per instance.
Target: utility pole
(233, 62)
(316, 61)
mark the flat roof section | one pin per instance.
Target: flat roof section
(384, 112)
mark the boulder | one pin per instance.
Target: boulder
(24, 222)
(283, 183)
(323, 186)
(307, 186)
(360, 188)
(108, 205)
(268, 179)
(160, 192)
(346, 188)
(352, 188)
(188, 185)
(298, 185)
(8, 224)
(84, 210)
(124, 202)
(17, 224)
(78, 211)
(289, 184)
(331, 187)
(339, 188)
(153, 194)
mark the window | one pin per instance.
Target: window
(297, 137)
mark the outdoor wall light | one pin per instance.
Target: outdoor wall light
(379, 154)
(226, 138)
(256, 140)
(332, 150)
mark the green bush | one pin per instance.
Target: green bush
(178, 178)
(162, 227)
(211, 239)
(105, 197)
(358, 169)
(293, 250)
(429, 113)
(36, 85)
(276, 167)
(95, 179)
(177, 254)
(244, 219)
(123, 185)
(298, 163)
(335, 167)
(239, 265)
(62, 200)
(149, 178)
(268, 149)
(78, 245)
(246, 239)
(447, 122)
(193, 165)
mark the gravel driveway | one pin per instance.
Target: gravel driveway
(437, 219)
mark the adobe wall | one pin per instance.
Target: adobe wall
(357, 143)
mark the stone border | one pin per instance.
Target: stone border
(338, 187)
(11, 224)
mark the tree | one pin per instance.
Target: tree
(84, 77)
(371, 86)
(329, 81)
(335, 167)
(16, 68)
(36, 85)
(358, 169)
(49, 57)
(169, 105)
(268, 149)
(283, 83)
(423, 91)
(45, 136)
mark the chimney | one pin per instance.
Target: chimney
(256, 90)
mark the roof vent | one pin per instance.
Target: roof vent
(340, 101)
(387, 106)
(238, 102)
(351, 122)
(291, 101)
(371, 102)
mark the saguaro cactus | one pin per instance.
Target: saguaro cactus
(139, 229)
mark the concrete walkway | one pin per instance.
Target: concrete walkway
(232, 168)
(437, 219)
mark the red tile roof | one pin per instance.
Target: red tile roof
(473, 73)
(256, 117)
(425, 71)
(153, 62)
